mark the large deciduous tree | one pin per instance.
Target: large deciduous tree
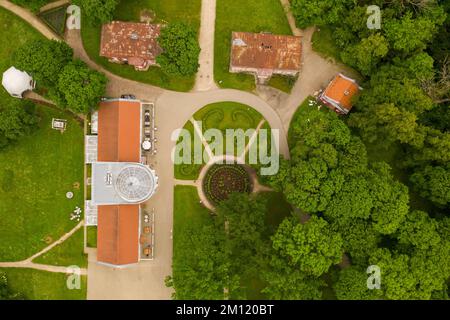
(312, 247)
(97, 11)
(433, 183)
(366, 55)
(202, 265)
(81, 87)
(16, 120)
(44, 60)
(352, 285)
(286, 282)
(180, 49)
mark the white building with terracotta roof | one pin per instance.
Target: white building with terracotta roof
(120, 183)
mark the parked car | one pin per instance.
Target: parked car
(128, 96)
(147, 118)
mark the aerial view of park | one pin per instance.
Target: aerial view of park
(224, 150)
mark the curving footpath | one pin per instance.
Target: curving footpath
(28, 263)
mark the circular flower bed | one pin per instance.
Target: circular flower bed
(223, 179)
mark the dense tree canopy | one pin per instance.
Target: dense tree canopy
(352, 285)
(44, 60)
(244, 220)
(289, 283)
(312, 247)
(433, 183)
(81, 87)
(180, 49)
(203, 271)
(16, 120)
(97, 11)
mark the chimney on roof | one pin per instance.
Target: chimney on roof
(346, 93)
(134, 36)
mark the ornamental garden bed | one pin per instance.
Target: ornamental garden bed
(221, 180)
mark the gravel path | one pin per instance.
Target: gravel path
(205, 75)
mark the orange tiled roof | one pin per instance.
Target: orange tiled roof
(118, 234)
(341, 89)
(119, 131)
(130, 40)
(266, 51)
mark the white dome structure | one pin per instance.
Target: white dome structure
(17, 82)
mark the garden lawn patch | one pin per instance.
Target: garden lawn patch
(221, 180)
(68, 253)
(55, 19)
(247, 16)
(324, 44)
(91, 235)
(166, 11)
(190, 171)
(39, 169)
(187, 210)
(33, 5)
(43, 285)
(228, 115)
(282, 83)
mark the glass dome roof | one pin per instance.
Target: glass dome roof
(135, 183)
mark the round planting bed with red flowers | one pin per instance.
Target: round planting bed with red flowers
(221, 180)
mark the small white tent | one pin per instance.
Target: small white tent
(16, 82)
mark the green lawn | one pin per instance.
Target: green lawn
(323, 43)
(91, 237)
(191, 171)
(34, 5)
(250, 16)
(187, 210)
(283, 83)
(166, 11)
(228, 115)
(68, 253)
(37, 171)
(43, 285)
